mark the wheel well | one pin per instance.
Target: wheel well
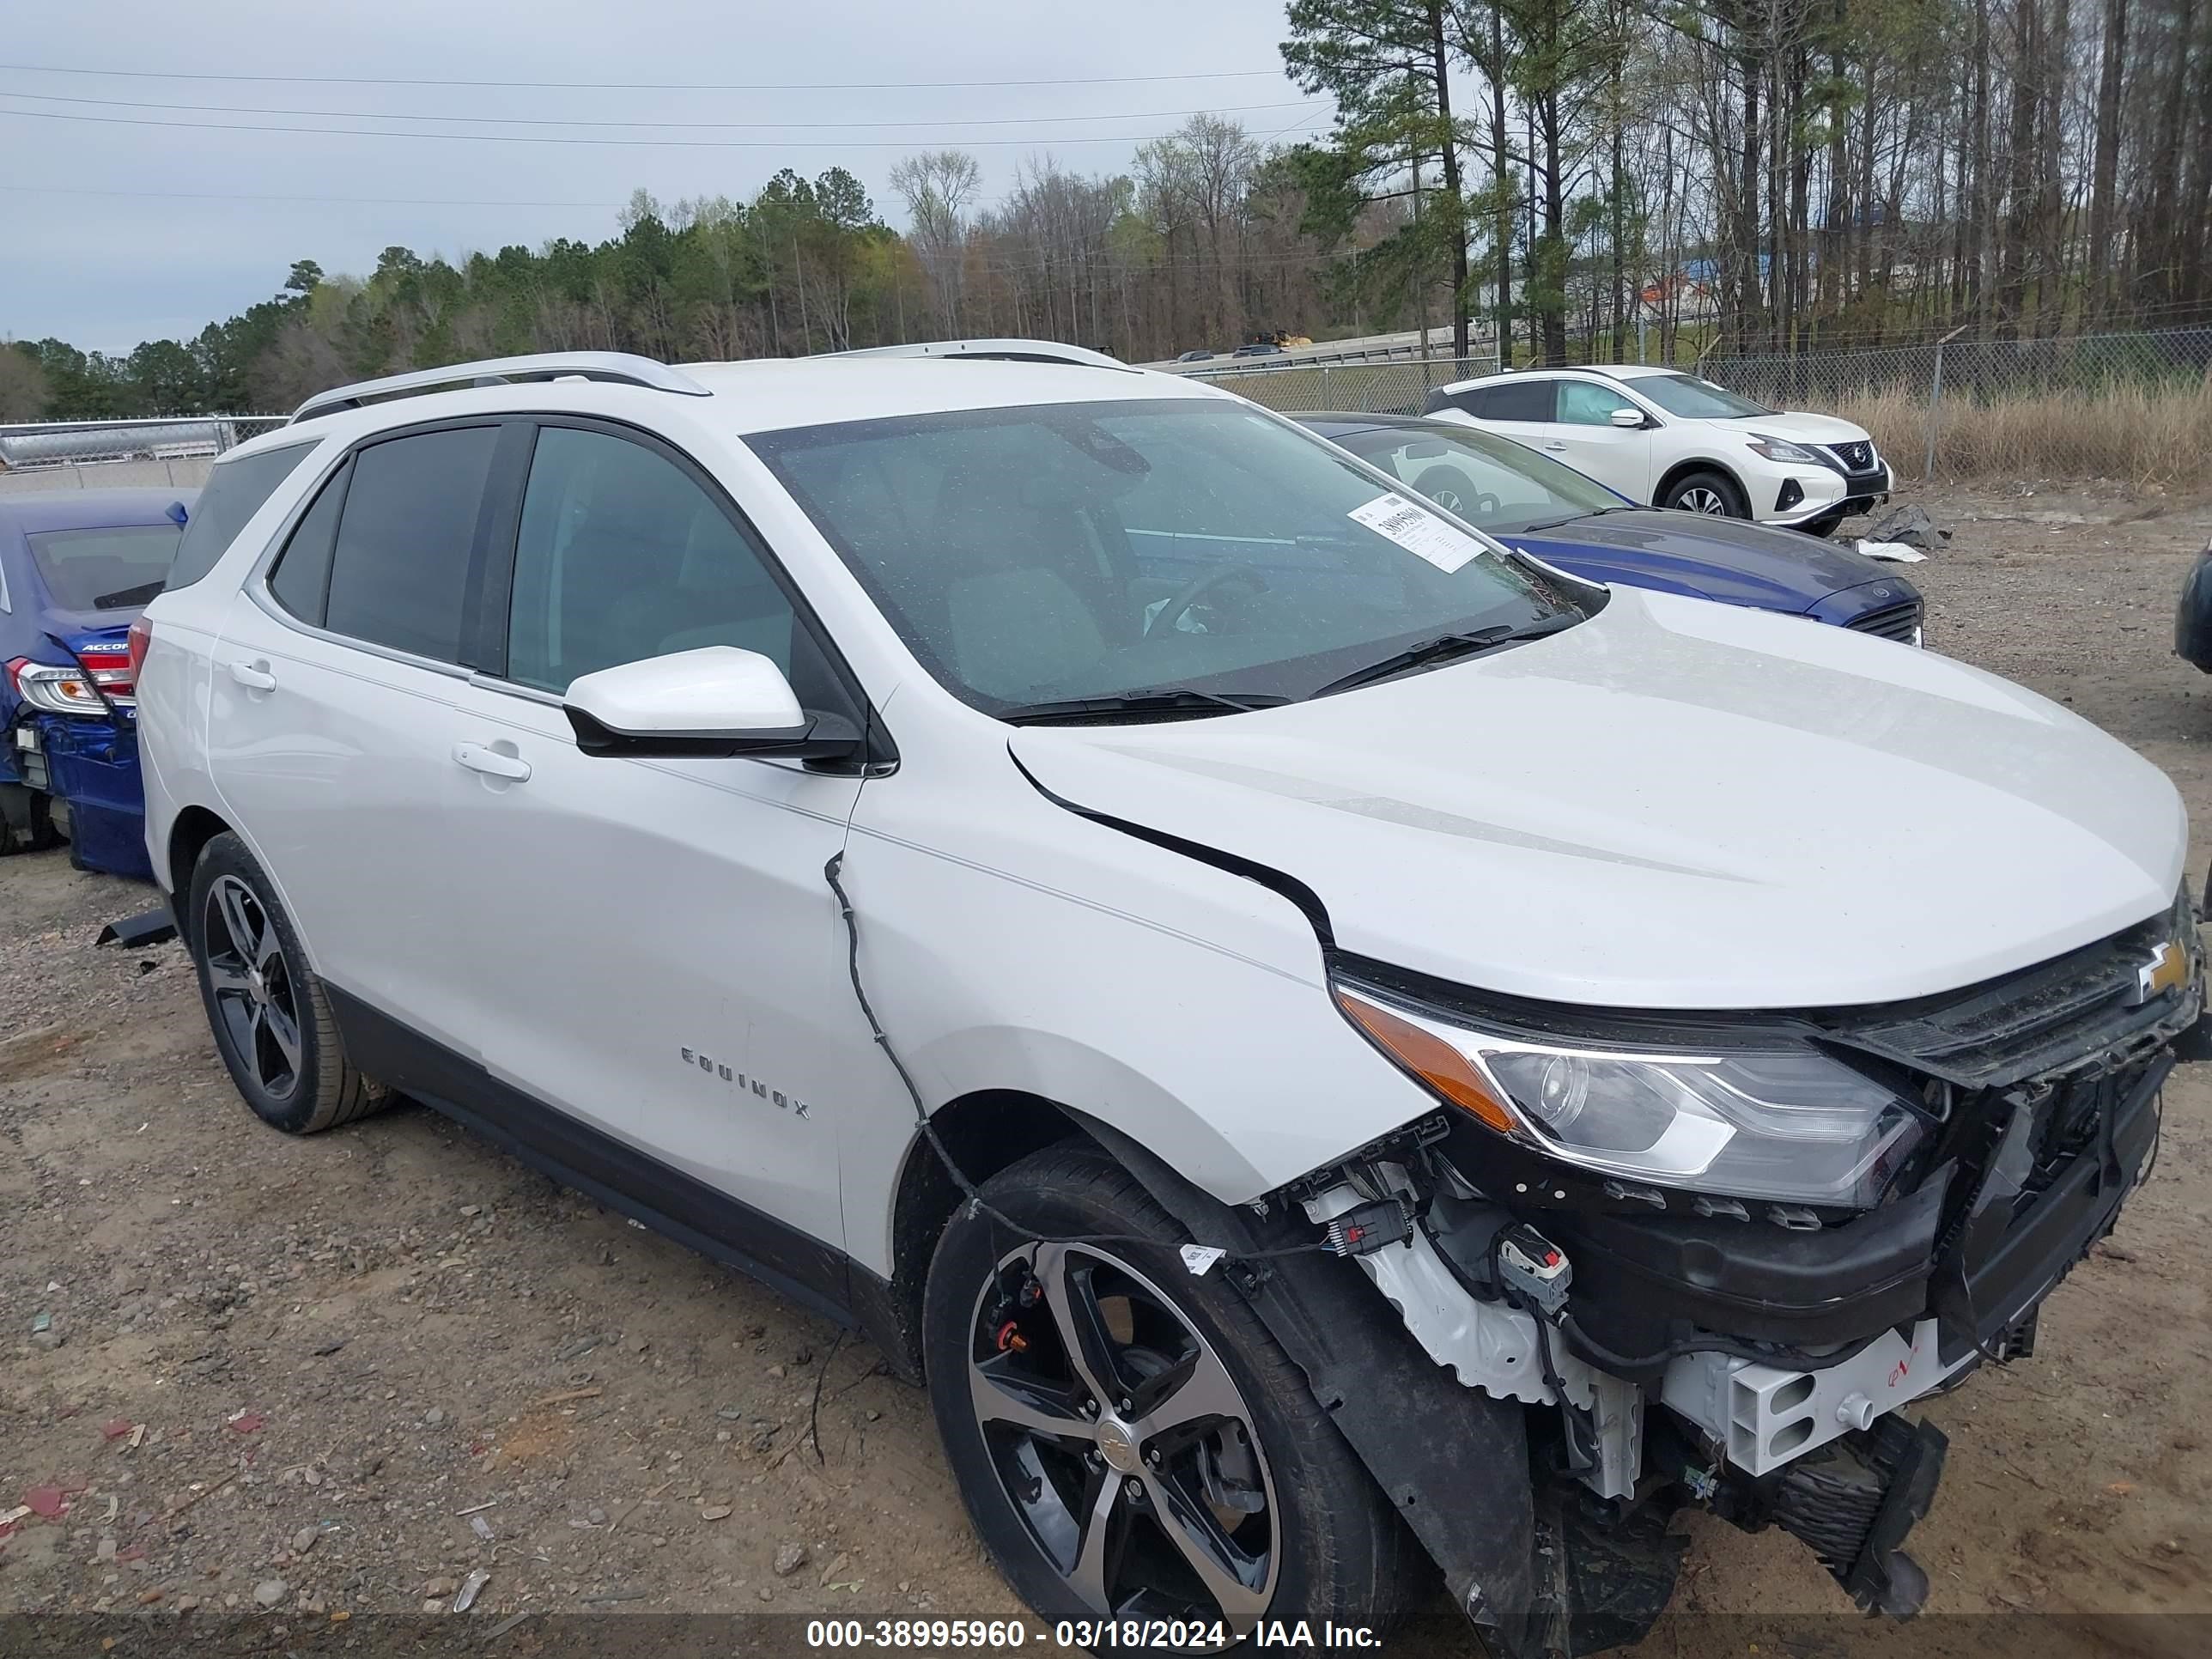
(1682, 470)
(194, 829)
(984, 1133)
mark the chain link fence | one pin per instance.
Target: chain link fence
(1976, 370)
(1390, 385)
(2134, 406)
(167, 453)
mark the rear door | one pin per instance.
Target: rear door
(1520, 409)
(332, 713)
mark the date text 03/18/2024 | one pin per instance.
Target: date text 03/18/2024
(1087, 1635)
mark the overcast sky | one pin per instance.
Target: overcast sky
(122, 225)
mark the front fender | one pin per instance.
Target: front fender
(1183, 1006)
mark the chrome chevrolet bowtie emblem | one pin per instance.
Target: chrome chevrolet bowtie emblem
(2166, 970)
(1117, 1446)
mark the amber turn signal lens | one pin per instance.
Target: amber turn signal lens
(1431, 1059)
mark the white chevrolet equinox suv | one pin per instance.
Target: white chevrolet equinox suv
(1342, 1056)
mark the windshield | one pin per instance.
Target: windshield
(1103, 550)
(104, 570)
(1699, 400)
(1492, 482)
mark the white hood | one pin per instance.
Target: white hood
(1799, 428)
(1675, 805)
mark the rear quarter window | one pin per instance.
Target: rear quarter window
(234, 493)
(1528, 400)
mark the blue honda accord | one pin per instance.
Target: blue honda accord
(1551, 511)
(76, 567)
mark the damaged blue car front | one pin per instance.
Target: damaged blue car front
(76, 567)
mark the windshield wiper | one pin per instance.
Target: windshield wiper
(1170, 702)
(142, 594)
(1573, 518)
(1443, 648)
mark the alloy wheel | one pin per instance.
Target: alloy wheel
(251, 984)
(1699, 498)
(1121, 1440)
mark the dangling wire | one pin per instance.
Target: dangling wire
(976, 1204)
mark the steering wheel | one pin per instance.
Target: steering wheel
(1454, 491)
(1196, 589)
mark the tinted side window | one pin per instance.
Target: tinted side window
(301, 580)
(400, 572)
(234, 493)
(619, 556)
(1515, 400)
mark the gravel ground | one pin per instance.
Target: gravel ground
(342, 1375)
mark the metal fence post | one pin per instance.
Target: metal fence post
(1936, 403)
(1325, 403)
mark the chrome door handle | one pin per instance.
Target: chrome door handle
(254, 676)
(1562, 448)
(480, 757)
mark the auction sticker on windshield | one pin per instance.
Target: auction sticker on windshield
(1419, 531)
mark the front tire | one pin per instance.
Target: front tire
(1128, 1439)
(269, 1015)
(1711, 493)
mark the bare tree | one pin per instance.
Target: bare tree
(937, 186)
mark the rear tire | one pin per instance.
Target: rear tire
(1304, 1531)
(269, 1015)
(1711, 493)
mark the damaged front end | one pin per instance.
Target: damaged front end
(1711, 1261)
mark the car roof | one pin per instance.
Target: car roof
(770, 394)
(38, 511)
(1535, 371)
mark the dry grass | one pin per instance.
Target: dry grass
(2135, 435)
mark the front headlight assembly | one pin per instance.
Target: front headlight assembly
(1784, 1122)
(1781, 449)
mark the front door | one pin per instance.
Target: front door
(1585, 438)
(659, 956)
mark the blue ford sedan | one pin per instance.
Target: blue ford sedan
(76, 567)
(1551, 511)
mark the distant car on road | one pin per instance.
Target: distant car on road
(1198, 357)
(1540, 507)
(1258, 348)
(1668, 438)
(76, 567)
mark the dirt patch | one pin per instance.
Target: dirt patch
(330, 1358)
